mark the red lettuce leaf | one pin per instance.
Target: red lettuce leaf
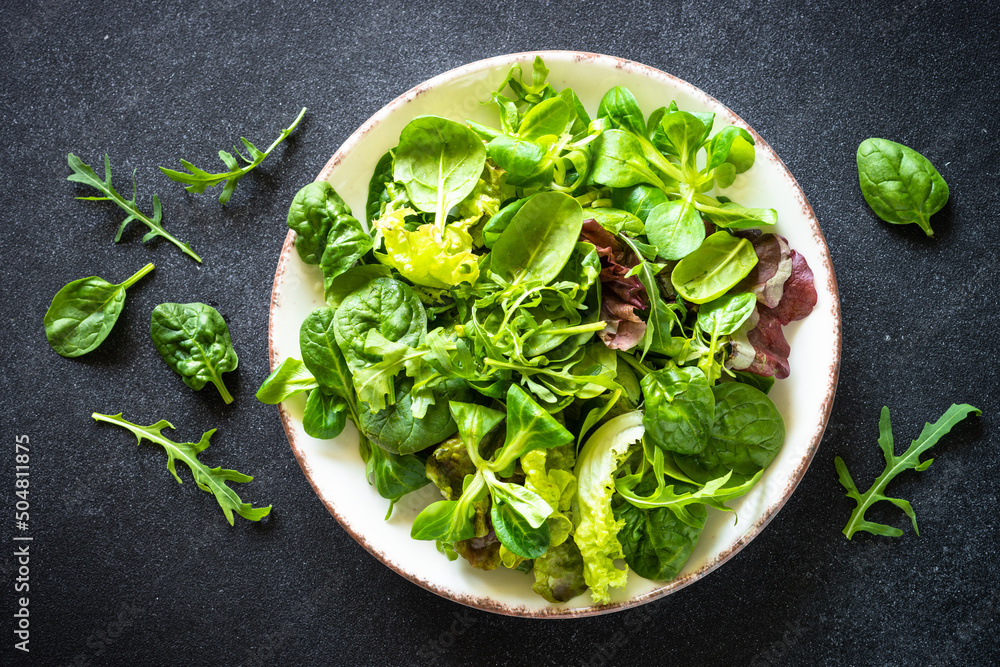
(621, 295)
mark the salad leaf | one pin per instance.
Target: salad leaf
(559, 573)
(680, 409)
(82, 173)
(900, 184)
(211, 480)
(198, 179)
(194, 341)
(597, 528)
(910, 459)
(83, 312)
(539, 239)
(718, 264)
(289, 378)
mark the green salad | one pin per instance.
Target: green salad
(555, 322)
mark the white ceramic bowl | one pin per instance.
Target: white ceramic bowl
(334, 467)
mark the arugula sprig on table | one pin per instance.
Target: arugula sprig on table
(83, 173)
(198, 180)
(211, 480)
(910, 459)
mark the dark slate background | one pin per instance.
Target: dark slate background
(128, 567)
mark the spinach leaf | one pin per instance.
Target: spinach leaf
(84, 311)
(393, 475)
(439, 162)
(321, 355)
(313, 212)
(82, 173)
(760, 382)
(720, 262)
(384, 305)
(325, 415)
(517, 534)
(900, 184)
(675, 228)
(910, 459)
(748, 430)
(396, 430)
(723, 316)
(352, 280)
(680, 409)
(194, 341)
(539, 239)
(346, 243)
(523, 160)
(210, 480)
(655, 542)
(289, 378)
(377, 194)
(500, 221)
(198, 179)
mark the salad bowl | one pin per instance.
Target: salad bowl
(334, 467)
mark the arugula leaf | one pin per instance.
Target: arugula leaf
(893, 466)
(199, 179)
(82, 173)
(212, 480)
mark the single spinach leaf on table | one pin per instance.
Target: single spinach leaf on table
(539, 239)
(289, 378)
(211, 480)
(197, 179)
(900, 184)
(84, 311)
(680, 409)
(82, 173)
(720, 262)
(439, 162)
(193, 339)
(910, 459)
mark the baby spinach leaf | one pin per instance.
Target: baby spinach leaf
(675, 228)
(352, 280)
(315, 209)
(396, 429)
(289, 378)
(384, 305)
(321, 355)
(499, 222)
(748, 430)
(211, 480)
(680, 409)
(84, 311)
(718, 264)
(900, 184)
(393, 475)
(523, 160)
(82, 173)
(198, 179)
(377, 194)
(760, 382)
(194, 341)
(325, 415)
(346, 243)
(655, 542)
(439, 162)
(723, 316)
(910, 459)
(517, 534)
(539, 239)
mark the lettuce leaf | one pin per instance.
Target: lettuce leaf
(425, 256)
(555, 486)
(596, 532)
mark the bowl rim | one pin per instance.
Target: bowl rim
(483, 602)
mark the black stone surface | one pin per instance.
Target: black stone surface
(129, 568)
